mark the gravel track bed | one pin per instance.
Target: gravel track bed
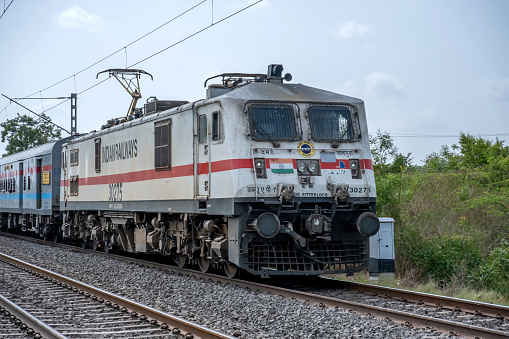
(223, 307)
(69, 312)
(9, 329)
(405, 306)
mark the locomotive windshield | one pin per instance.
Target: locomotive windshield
(272, 122)
(331, 123)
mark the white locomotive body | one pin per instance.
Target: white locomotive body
(273, 178)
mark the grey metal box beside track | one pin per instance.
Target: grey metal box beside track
(381, 249)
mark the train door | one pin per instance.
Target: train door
(209, 135)
(20, 185)
(203, 156)
(38, 185)
(65, 175)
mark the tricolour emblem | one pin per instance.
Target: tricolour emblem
(281, 165)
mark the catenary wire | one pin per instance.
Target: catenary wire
(196, 33)
(120, 49)
(5, 9)
(151, 56)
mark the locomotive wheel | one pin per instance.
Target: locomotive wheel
(95, 244)
(204, 264)
(230, 270)
(55, 237)
(83, 243)
(181, 260)
(106, 248)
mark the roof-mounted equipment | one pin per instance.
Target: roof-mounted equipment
(126, 77)
(232, 80)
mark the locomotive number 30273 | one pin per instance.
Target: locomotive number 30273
(115, 192)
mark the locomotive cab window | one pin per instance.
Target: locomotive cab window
(331, 123)
(272, 122)
(162, 145)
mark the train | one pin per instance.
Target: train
(263, 176)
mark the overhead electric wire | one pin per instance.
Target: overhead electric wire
(120, 49)
(40, 116)
(197, 32)
(5, 9)
(151, 56)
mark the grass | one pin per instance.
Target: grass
(431, 287)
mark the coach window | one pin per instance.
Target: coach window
(202, 129)
(216, 127)
(162, 143)
(97, 155)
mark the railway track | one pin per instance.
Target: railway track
(72, 309)
(15, 322)
(312, 290)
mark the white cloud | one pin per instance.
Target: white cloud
(496, 89)
(76, 17)
(385, 85)
(349, 29)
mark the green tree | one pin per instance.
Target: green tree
(386, 158)
(24, 132)
(446, 159)
(383, 149)
(479, 152)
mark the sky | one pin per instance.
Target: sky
(427, 70)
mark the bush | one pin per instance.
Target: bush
(448, 258)
(494, 272)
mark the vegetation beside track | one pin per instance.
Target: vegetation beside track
(451, 214)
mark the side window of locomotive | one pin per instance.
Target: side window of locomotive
(74, 157)
(331, 123)
(216, 127)
(74, 185)
(272, 122)
(202, 129)
(162, 145)
(97, 155)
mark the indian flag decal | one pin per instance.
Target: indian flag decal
(281, 165)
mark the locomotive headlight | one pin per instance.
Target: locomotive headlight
(355, 169)
(313, 167)
(301, 166)
(260, 169)
(259, 163)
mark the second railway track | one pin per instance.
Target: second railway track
(78, 310)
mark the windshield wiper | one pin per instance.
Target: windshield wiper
(267, 135)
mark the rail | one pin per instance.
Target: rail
(184, 326)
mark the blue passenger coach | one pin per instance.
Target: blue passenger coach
(30, 188)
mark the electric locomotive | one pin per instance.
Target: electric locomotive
(270, 177)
